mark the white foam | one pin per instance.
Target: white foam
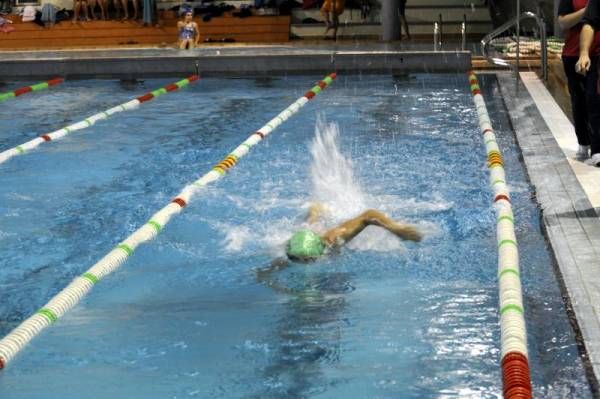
(332, 174)
(236, 238)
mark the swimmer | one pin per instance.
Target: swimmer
(307, 245)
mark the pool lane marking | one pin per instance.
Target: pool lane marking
(72, 294)
(87, 122)
(513, 337)
(30, 89)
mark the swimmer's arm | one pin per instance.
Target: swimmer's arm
(263, 275)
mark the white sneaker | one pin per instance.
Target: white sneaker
(582, 153)
(594, 160)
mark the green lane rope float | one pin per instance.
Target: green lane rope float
(16, 340)
(28, 89)
(58, 134)
(516, 377)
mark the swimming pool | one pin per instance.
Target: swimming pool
(185, 316)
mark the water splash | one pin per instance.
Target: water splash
(332, 174)
(335, 186)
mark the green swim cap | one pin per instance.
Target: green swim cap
(305, 244)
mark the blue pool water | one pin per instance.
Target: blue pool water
(185, 316)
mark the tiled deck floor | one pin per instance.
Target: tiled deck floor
(569, 195)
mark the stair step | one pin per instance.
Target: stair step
(413, 16)
(444, 3)
(375, 30)
(168, 4)
(448, 14)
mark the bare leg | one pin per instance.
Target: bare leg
(405, 24)
(135, 9)
(350, 229)
(92, 5)
(125, 11)
(184, 44)
(103, 8)
(336, 23)
(327, 21)
(118, 8)
(84, 5)
(76, 8)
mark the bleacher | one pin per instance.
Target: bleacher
(252, 29)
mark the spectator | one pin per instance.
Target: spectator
(5, 25)
(78, 5)
(570, 14)
(124, 4)
(189, 36)
(335, 8)
(103, 8)
(589, 55)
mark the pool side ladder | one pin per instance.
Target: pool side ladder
(516, 377)
(70, 296)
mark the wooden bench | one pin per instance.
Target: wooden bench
(253, 29)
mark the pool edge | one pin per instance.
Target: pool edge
(568, 220)
(224, 63)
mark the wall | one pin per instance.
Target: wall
(503, 10)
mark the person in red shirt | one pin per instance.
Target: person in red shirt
(587, 65)
(570, 15)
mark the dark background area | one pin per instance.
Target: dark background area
(503, 10)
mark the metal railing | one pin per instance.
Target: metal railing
(463, 33)
(515, 22)
(438, 33)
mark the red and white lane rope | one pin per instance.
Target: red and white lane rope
(515, 366)
(16, 340)
(27, 89)
(58, 134)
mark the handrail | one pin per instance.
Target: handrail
(441, 22)
(485, 42)
(463, 33)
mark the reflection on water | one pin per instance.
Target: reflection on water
(307, 336)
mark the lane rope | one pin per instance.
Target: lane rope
(60, 133)
(32, 88)
(71, 295)
(516, 378)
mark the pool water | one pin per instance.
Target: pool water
(186, 317)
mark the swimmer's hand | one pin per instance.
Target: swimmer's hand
(264, 273)
(409, 233)
(315, 212)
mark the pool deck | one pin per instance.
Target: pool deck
(230, 61)
(568, 193)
